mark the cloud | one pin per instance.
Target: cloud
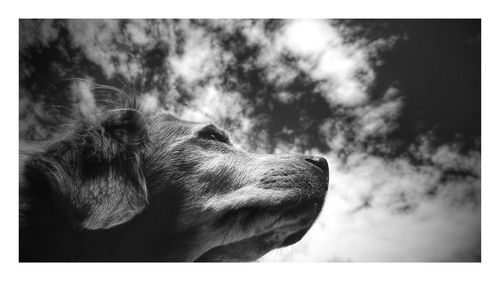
(310, 38)
(86, 104)
(379, 118)
(149, 102)
(137, 32)
(30, 114)
(108, 46)
(323, 53)
(202, 57)
(343, 69)
(96, 39)
(36, 33)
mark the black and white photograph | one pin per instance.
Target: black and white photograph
(250, 140)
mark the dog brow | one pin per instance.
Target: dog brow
(213, 128)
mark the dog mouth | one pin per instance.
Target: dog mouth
(269, 227)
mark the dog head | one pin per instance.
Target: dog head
(186, 185)
(238, 205)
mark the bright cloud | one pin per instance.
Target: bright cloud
(149, 102)
(379, 119)
(343, 69)
(137, 32)
(310, 38)
(81, 90)
(202, 57)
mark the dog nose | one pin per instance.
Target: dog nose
(320, 162)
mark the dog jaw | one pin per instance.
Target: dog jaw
(249, 233)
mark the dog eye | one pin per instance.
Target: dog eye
(214, 136)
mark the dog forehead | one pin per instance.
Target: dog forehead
(171, 126)
(171, 118)
(175, 122)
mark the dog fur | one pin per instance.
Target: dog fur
(129, 187)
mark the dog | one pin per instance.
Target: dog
(130, 186)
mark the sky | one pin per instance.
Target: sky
(394, 105)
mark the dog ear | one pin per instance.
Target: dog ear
(94, 173)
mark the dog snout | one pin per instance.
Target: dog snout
(318, 161)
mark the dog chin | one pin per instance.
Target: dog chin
(252, 248)
(293, 223)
